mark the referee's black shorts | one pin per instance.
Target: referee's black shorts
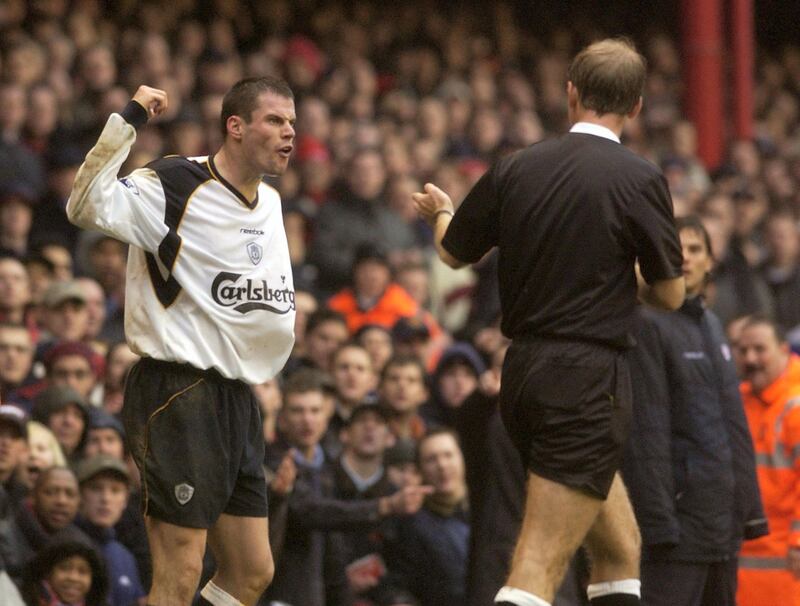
(567, 407)
(197, 440)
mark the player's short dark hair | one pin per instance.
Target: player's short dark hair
(403, 359)
(242, 98)
(609, 75)
(321, 316)
(695, 224)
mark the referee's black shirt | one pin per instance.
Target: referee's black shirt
(570, 215)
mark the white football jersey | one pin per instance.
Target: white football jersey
(209, 280)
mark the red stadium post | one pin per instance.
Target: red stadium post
(702, 54)
(743, 57)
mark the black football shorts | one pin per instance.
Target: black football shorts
(197, 440)
(567, 407)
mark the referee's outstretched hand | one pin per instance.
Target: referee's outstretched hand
(431, 201)
(153, 100)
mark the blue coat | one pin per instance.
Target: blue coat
(689, 465)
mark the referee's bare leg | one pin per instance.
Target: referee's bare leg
(557, 520)
(242, 552)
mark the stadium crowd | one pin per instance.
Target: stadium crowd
(397, 357)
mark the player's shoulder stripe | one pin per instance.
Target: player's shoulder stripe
(182, 173)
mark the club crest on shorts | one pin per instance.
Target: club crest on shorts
(255, 252)
(183, 493)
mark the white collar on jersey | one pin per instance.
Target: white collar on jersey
(588, 128)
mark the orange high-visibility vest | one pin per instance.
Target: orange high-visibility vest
(774, 420)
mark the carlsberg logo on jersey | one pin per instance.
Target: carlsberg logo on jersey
(250, 294)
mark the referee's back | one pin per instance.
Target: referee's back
(570, 215)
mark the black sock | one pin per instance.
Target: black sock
(504, 604)
(616, 599)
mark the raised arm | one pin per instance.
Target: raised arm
(130, 209)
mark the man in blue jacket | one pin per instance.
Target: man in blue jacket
(689, 465)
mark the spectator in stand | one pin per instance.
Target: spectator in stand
(455, 378)
(357, 217)
(17, 202)
(326, 331)
(65, 412)
(354, 382)
(67, 573)
(16, 362)
(310, 568)
(15, 293)
(400, 462)
(118, 360)
(50, 217)
(429, 554)
(44, 452)
(13, 452)
(780, 269)
(378, 342)
(74, 364)
(373, 297)
(65, 317)
(769, 567)
(402, 391)
(95, 301)
(59, 255)
(49, 514)
(360, 474)
(104, 485)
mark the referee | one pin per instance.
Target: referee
(210, 308)
(571, 216)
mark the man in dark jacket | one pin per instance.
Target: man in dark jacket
(310, 562)
(689, 466)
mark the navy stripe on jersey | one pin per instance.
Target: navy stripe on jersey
(215, 173)
(180, 178)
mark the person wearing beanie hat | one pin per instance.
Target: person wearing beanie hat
(106, 435)
(65, 412)
(74, 364)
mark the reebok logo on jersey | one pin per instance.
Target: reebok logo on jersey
(250, 295)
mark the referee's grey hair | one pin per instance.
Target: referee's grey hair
(242, 98)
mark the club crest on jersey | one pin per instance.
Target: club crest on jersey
(250, 295)
(255, 252)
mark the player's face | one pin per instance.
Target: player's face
(268, 139)
(697, 261)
